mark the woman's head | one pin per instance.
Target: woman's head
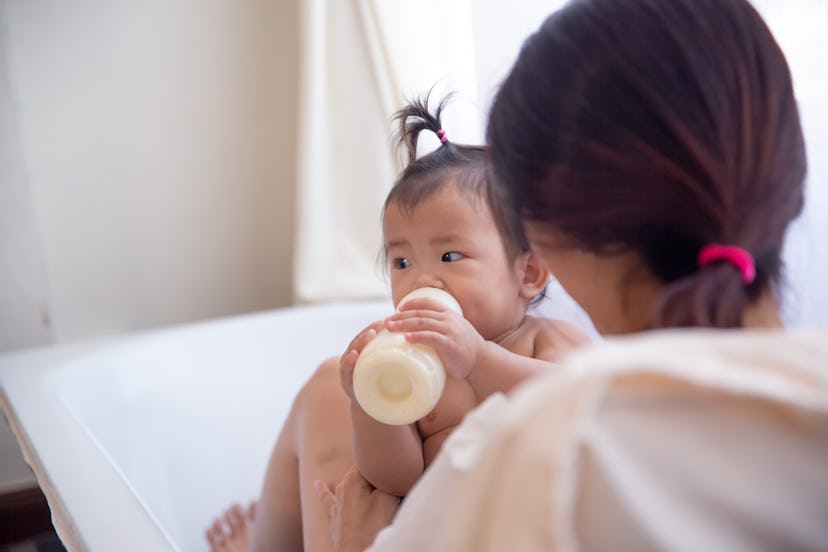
(655, 128)
(445, 226)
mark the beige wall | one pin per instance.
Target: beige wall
(23, 309)
(148, 161)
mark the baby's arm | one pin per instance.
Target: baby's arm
(486, 365)
(389, 457)
(501, 369)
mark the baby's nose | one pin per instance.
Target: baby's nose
(429, 279)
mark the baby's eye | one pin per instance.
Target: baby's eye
(451, 257)
(400, 262)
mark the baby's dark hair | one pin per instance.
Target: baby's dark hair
(463, 166)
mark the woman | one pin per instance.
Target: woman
(655, 151)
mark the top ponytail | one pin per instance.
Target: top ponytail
(414, 118)
(462, 166)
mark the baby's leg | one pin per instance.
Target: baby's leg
(315, 443)
(281, 518)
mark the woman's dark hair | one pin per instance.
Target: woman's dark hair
(657, 126)
(461, 165)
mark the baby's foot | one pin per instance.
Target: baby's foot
(231, 533)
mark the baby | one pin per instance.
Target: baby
(446, 227)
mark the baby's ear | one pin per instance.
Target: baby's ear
(535, 275)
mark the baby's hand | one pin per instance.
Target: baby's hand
(348, 360)
(427, 322)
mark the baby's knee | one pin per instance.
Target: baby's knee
(326, 375)
(323, 383)
(328, 369)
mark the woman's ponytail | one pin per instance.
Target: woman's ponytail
(712, 297)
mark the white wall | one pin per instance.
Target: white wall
(801, 29)
(152, 163)
(23, 310)
(500, 30)
(146, 167)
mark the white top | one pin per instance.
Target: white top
(670, 440)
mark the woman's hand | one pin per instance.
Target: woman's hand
(348, 360)
(356, 510)
(427, 322)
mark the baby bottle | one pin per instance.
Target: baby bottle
(397, 382)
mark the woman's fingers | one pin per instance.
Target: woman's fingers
(356, 510)
(362, 509)
(354, 480)
(327, 496)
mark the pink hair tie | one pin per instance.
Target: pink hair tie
(732, 254)
(441, 134)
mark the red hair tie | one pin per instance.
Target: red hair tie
(441, 134)
(732, 254)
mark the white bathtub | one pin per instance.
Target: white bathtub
(139, 441)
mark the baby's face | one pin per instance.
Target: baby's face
(450, 241)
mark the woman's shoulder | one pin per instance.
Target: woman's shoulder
(713, 354)
(667, 367)
(658, 416)
(784, 367)
(683, 427)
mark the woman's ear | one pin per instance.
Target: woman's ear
(535, 275)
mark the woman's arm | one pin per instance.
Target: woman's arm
(356, 511)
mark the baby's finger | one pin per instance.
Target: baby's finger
(365, 336)
(416, 324)
(423, 303)
(348, 361)
(346, 371)
(417, 313)
(430, 338)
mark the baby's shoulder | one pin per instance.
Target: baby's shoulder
(556, 328)
(552, 334)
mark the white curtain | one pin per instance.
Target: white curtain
(360, 59)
